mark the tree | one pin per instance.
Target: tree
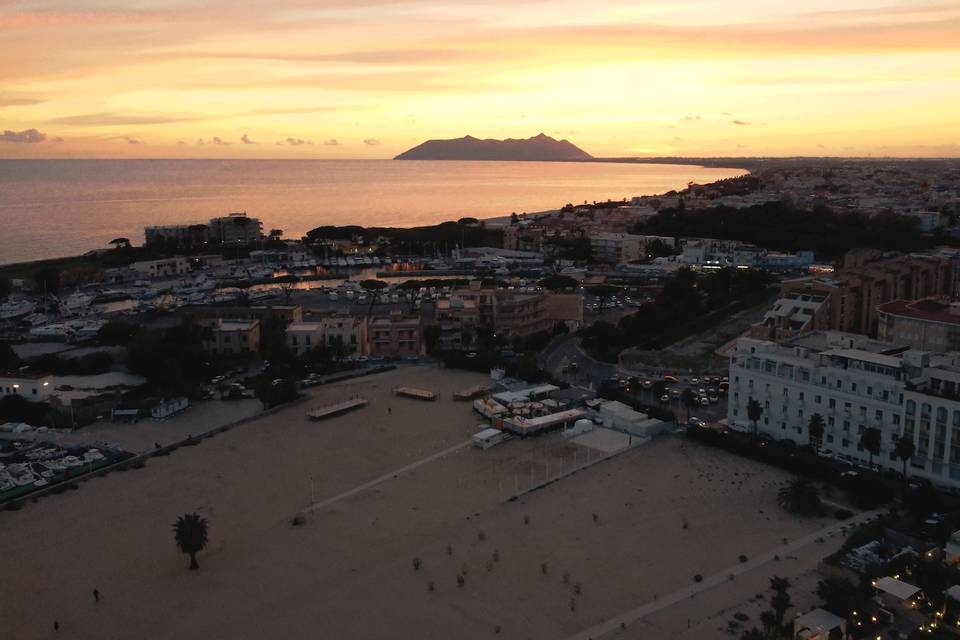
(602, 292)
(288, 285)
(556, 282)
(800, 496)
(120, 243)
(840, 596)
(754, 413)
(870, 440)
(659, 388)
(6, 287)
(904, 450)
(688, 399)
(373, 287)
(190, 533)
(815, 432)
(780, 601)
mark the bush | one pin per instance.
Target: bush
(698, 578)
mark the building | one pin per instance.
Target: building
(868, 279)
(566, 308)
(927, 325)
(614, 248)
(164, 268)
(35, 387)
(233, 337)
(205, 313)
(234, 228)
(344, 332)
(395, 335)
(457, 319)
(819, 624)
(304, 336)
(854, 383)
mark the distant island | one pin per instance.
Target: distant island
(541, 147)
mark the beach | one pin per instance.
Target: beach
(628, 531)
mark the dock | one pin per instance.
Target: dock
(337, 408)
(416, 394)
(472, 392)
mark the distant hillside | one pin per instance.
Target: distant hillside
(541, 147)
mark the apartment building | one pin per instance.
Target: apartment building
(232, 337)
(616, 248)
(929, 324)
(234, 228)
(162, 268)
(343, 332)
(849, 299)
(457, 318)
(853, 383)
(395, 335)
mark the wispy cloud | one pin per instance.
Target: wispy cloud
(133, 140)
(217, 140)
(372, 142)
(332, 142)
(294, 142)
(110, 119)
(26, 136)
(18, 100)
(245, 139)
(742, 123)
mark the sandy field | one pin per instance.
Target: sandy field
(613, 533)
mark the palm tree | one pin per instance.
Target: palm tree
(190, 532)
(870, 439)
(815, 431)
(754, 412)
(780, 600)
(800, 496)
(904, 450)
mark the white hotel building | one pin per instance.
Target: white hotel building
(853, 383)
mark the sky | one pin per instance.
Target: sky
(371, 78)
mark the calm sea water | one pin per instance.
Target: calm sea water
(52, 208)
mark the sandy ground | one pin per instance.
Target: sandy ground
(615, 529)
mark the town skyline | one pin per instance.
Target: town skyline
(174, 79)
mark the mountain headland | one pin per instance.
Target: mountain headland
(538, 148)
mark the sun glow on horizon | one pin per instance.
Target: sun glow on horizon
(370, 78)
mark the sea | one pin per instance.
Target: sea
(56, 208)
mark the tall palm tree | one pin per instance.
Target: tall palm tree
(871, 439)
(800, 496)
(190, 533)
(815, 431)
(754, 412)
(904, 450)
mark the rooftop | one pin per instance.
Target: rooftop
(928, 309)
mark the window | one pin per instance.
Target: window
(846, 426)
(896, 418)
(853, 387)
(817, 399)
(839, 384)
(830, 421)
(911, 407)
(801, 396)
(878, 415)
(869, 391)
(833, 403)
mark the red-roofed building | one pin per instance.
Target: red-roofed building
(929, 324)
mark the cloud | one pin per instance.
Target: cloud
(742, 123)
(133, 140)
(200, 142)
(332, 142)
(57, 139)
(109, 119)
(294, 142)
(692, 118)
(27, 135)
(245, 139)
(18, 100)
(180, 143)
(371, 142)
(218, 141)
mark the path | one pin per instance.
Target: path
(625, 619)
(387, 476)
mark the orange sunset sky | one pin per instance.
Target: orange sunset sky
(370, 78)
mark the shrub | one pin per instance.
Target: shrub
(698, 578)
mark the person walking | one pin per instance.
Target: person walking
(56, 626)
(96, 595)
